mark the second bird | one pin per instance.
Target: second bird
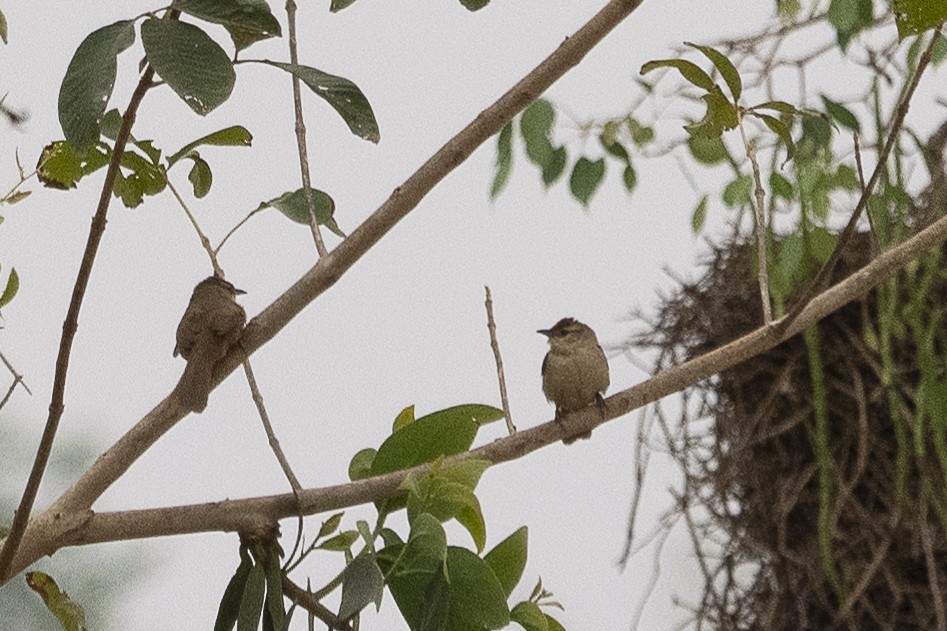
(212, 323)
(575, 371)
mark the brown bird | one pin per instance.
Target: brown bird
(575, 371)
(212, 323)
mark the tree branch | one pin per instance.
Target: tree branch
(69, 328)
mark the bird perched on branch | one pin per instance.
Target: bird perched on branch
(575, 371)
(212, 323)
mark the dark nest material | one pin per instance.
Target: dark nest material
(752, 493)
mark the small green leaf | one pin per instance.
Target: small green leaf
(630, 178)
(585, 179)
(275, 611)
(471, 518)
(13, 285)
(361, 465)
(247, 21)
(708, 150)
(68, 612)
(329, 526)
(13, 198)
(529, 616)
(405, 417)
(235, 136)
(343, 95)
(3, 27)
(737, 192)
(553, 624)
(293, 205)
(699, 217)
(504, 162)
(507, 559)
(615, 149)
(362, 583)
(916, 16)
(779, 106)
(474, 5)
(780, 129)
(536, 123)
(194, 65)
(88, 84)
(229, 609)
(60, 167)
(340, 542)
(691, 71)
(555, 166)
(849, 17)
(111, 123)
(841, 114)
(251, 605)
(780, 186)
(720, 115)
(640, 134)
(200, 176)
(338, 5)
(725, 67)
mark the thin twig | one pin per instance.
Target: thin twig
(235, 228)
(268, 428)
(933, 567)
(495, 345)
(17, 380)
(307, 600)
(762, 231)
(70, 326)
(205, 242)
(300, 129)
(893, 130)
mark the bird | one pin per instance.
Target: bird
(211, 325)
(575, 370)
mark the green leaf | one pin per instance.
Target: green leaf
(474, 5)
(13, 198)
(724, 67)
(841, 114)
(615, 149)
(200, 176)
(915, 16)
(780, 186)
(229, 608)
(3, 27)
(340, 542)
(68, 612)
(247, 21)
(691, 71)
(293, 205)
(555, 166)
(585, 179)
(536, 124)
(405, 417)
(779, 106)
(13, 286)
(849, 17)
(507, 559)
(780, 129)
(720, 115)
(737, 192)
(416, 574)
(476, 598)
(629, 177)
(640, 134)
(343, 95)
(111, 123)
(529, 616)
(708, 150)
(471, 518)
(553, 624)
(329, 526)
(699, 217)
(338, 5)
(504, 163)
(59, 166)
(235, 136)
(442, 433)
(274, 588)
(361, 465)
(251, 605)
(362, 583)
(821, 244)
(190, 62)
(88, 84)
(145, 179)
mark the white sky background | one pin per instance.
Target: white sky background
(405, 326)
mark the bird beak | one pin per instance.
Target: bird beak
(546, 332)
(239, 292)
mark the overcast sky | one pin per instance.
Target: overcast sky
(405, 326)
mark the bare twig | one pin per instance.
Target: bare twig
(17, 380)
(492, 327)
(237, 227)
(933, 568)
(70, 326)
(205, 242)
(761, 229)
(268, 428)
(308, 601)
(300, 129)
